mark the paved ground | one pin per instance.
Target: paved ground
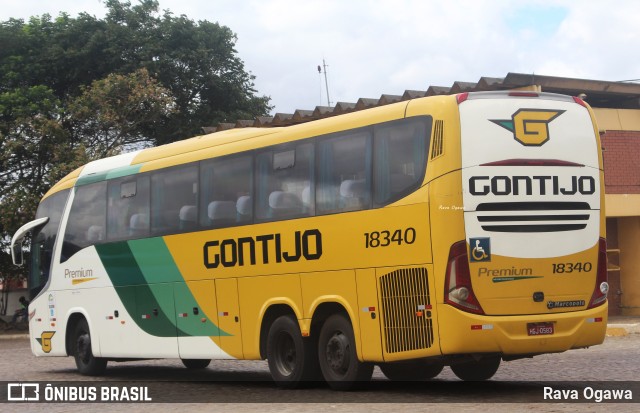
(246, 385)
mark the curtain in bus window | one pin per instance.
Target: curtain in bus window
(206, 191)
(326, 187)
(87, 219)
(400, 158)
(382, 173)
(263, 186)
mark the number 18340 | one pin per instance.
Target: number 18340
(386, 238)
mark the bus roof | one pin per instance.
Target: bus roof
(224, 143)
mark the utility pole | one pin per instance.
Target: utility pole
(323, 69)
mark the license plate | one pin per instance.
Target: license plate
(539, 329)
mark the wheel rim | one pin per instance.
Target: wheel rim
(285, 354)
(83, 347)
(338, 353)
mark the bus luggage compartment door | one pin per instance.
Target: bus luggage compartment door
(229, 316)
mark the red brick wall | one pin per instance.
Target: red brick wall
(621, 162)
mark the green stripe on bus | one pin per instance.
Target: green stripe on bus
(150, 286)
(141, 300)
(123, 171)
(110, 174)
(120, 264)
(155, 261)
(91, 178)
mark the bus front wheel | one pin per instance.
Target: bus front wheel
(292, 358)
(86, 362)
(477, 370)
(337, 354)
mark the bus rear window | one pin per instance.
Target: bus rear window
(401, 150)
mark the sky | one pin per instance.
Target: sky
(375, 47)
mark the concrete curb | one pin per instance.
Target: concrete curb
(622, 330)
(14, 336)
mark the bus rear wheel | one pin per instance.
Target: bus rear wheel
(196, 364)
(477, 370)
(337, 354)
(292, 358)
(413, 370)
(86, 362)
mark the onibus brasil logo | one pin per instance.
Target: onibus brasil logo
(530, 127)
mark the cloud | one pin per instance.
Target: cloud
(374, 47)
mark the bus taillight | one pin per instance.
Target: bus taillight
(579, 101)
(461, 97)
(602, 286)
(458, 289)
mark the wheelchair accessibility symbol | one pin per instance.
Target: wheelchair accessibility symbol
(480, 249)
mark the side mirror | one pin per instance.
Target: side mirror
(16, 254)
(16, 241)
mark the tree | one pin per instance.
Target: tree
(112, 114)
(195, 61)
(76, 89)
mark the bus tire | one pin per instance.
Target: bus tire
(413, 370)
(338, 358)
(477, 370)
(293, 360)
(196, 364)
(86, 362)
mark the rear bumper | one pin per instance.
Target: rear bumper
(465, 333)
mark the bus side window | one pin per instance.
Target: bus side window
(174, 195)
(226, 185)
(86, 218)
(284, 176)
(128, 208)
(344, 173)
(400, 161)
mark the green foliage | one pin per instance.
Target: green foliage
(31, 141)
(113, 113)
(196, 61)
(76, 89)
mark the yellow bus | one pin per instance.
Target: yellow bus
(452, 231)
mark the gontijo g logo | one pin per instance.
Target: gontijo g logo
(530, 127)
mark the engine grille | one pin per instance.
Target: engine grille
(533, 216)
(406, 310)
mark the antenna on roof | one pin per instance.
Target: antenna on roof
(323, 69)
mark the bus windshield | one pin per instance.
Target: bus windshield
(44, 241)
